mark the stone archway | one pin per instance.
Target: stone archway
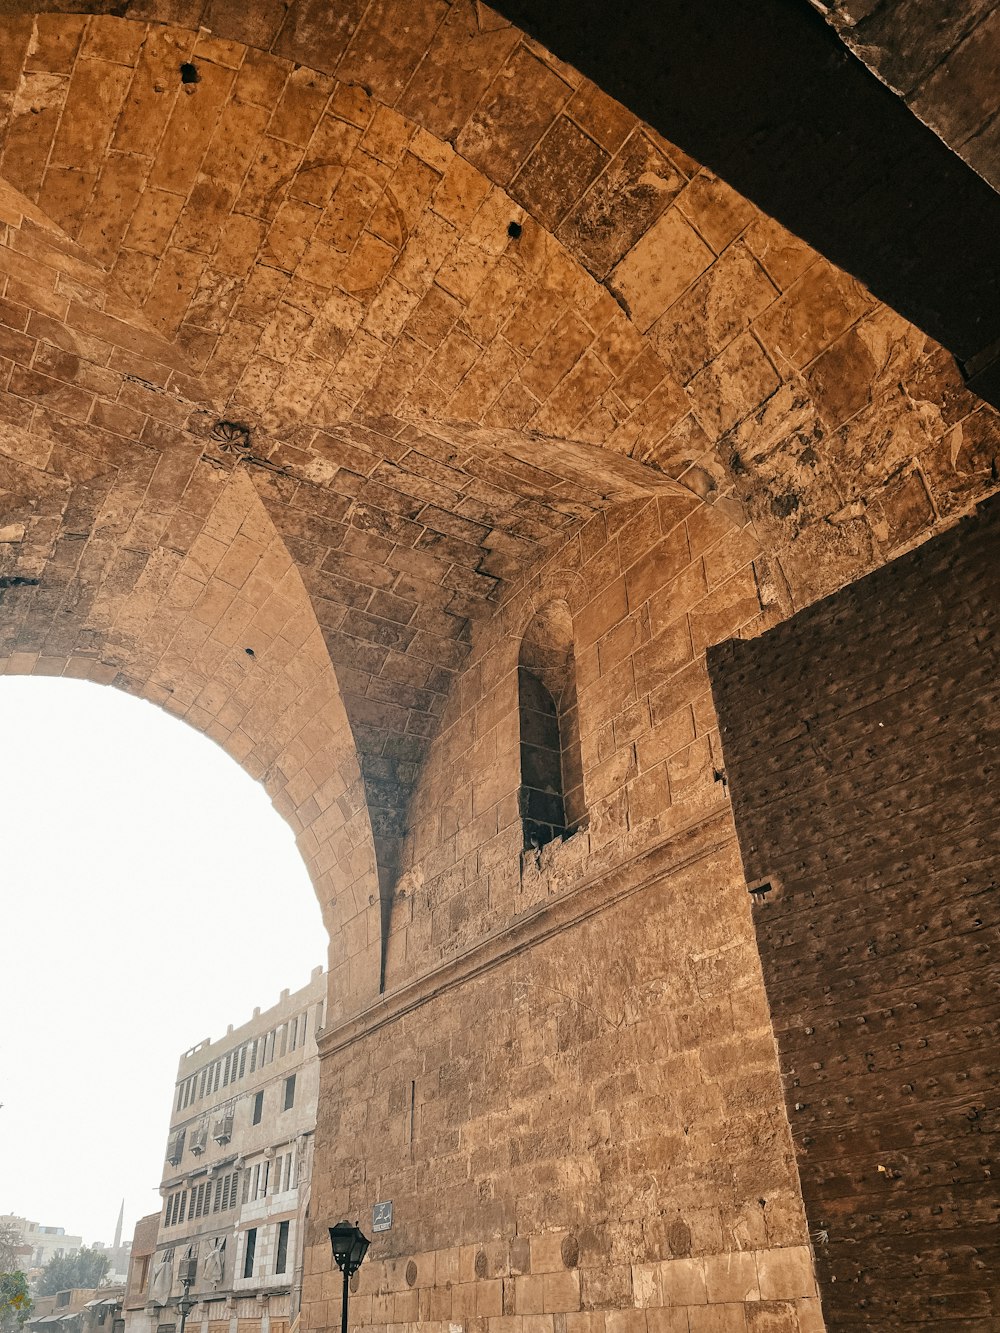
(369, 347)
(145, 538)
(399, 285)
(132, 558)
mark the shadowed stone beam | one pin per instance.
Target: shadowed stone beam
(767, 96)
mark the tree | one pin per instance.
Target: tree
(86, 1268)
(15, 1302)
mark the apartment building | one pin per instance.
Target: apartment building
(236, 1176)
(45, 1243)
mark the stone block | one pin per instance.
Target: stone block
(626, 1321)
(489, 1298)
(732, 385)
(810, 1316)
(500, 135)
(772, 1317)
(784, 1274)
(646, 1289)
(731, 1277)
(682, 1281)
(561, 1291)
(654, 273)
(632, 191)
(602, 614)
(529, 1295)
(667, 1320)
(605, 1286)
(547, 1252)
(464, 1301)
(725, 1318)
(719, 304)
(564, 163)
(537, 1323)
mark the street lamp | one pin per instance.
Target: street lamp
(188, 1271)
(349, 1245)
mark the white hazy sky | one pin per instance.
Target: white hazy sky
(149, 897)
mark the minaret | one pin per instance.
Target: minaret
(118, 1229)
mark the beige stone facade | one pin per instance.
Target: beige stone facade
(41, 1243)
(341, 347)
(236, 1181)
(143, 1248)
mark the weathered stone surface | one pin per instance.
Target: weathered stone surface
(357, 353)
(860, 741)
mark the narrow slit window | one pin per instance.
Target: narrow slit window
(551, 795)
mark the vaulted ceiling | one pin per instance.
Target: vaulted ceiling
(868, 127)
(440, 299)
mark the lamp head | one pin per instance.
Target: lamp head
(349, 1245)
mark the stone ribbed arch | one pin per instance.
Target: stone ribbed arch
(396, 571)
(321, 229)
(129, 558)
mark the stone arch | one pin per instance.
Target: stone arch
(243, 662)
(131, 556)
(278, 713)
(721, 373)
(658, 316)
(457, 407)
(150, 404)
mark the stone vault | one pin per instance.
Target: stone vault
(335, 343)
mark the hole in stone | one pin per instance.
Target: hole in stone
(514, 230)
(189, 73)
(570, 1251)
(764, 890)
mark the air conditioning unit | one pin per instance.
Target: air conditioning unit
(222, 1130)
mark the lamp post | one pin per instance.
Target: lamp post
(349, 1245)
(186, 1304)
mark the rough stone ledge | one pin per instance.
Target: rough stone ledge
(695, 842)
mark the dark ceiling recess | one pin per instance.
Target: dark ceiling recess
(767, 96)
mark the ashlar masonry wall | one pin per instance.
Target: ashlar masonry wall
(569, 1088)
(574, 1045)
(642, 599)
(579, 1125)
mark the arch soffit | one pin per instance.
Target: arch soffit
(548, 637)
(117, 425)
(734, 326)
(135, 562)
(706, 389)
